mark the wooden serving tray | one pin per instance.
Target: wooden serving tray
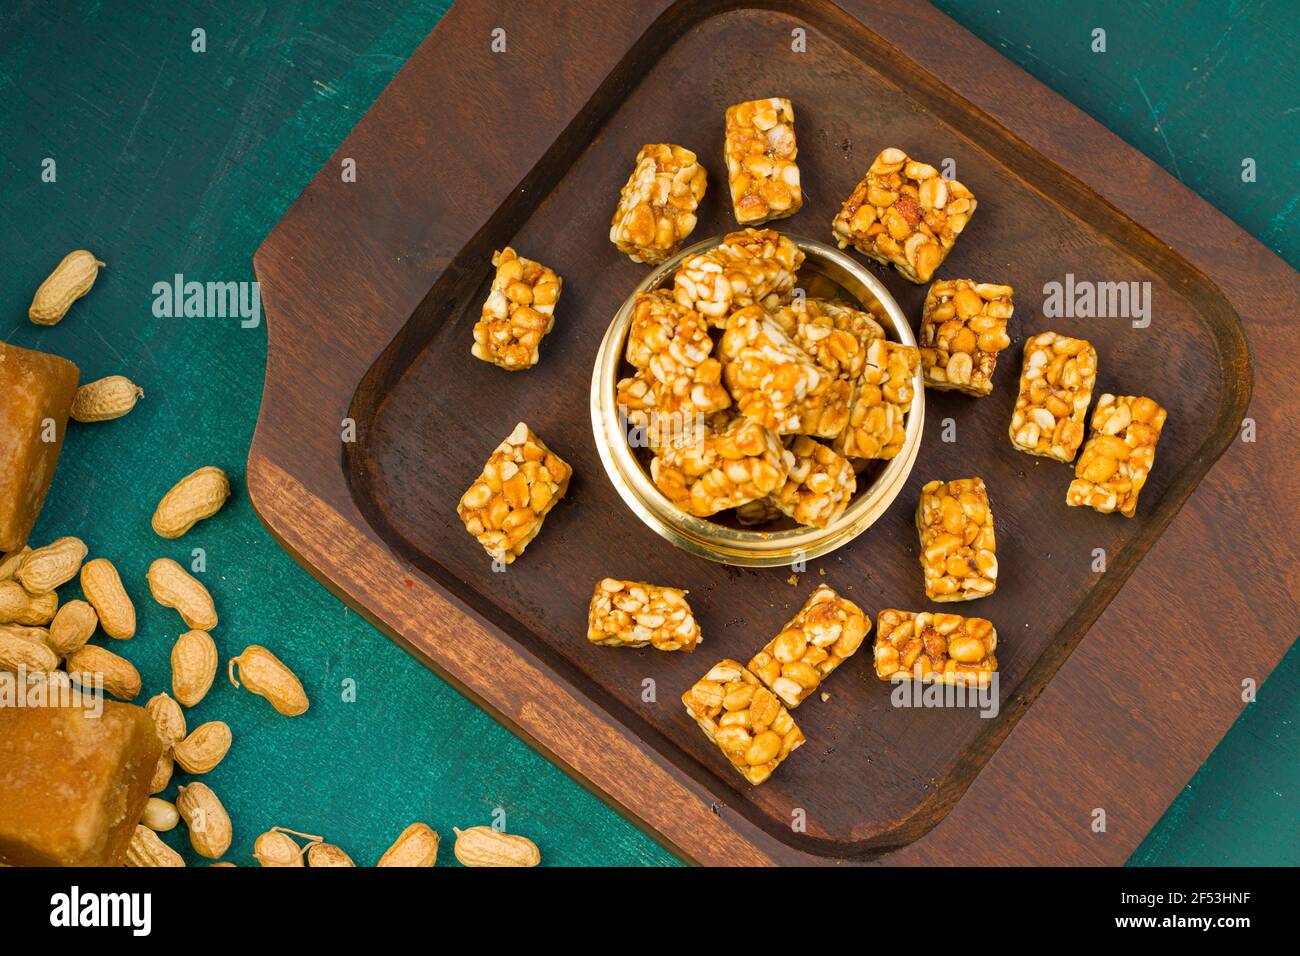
(372, 288)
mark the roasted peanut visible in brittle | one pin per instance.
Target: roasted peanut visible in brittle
(943, 648)
(634, 614)
(1055, 388)
(963, 328)
(834, 335)
(877, 426)
(760, 151)
(741, 462)
(519, 311)
(656, 209)
(826, 632)
(819, 486)
(746, 720)
(1119, 454)
(749, 267)
(958, 547)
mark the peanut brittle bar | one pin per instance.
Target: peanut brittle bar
(963, 328)
(634, 614)
(834, 335)
(877, 425)
(760, 151)
(1119, 454)
(826, 632)
(819, 486)
(958, 549)
(746, 720)
(944, 648)
(521, 482)
(656, 208)
(903, 213)
(749, 267)
(740, 462)
(775, 382)
(518, 313)
(1055, 388)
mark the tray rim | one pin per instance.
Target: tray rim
(263, 471)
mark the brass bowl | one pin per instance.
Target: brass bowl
(879, 484)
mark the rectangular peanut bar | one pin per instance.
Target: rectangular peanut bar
(958, 550)
(903, 213)
(882, 395)
(825, 633)
(1119, 454)
(749, 267)
(835, 336)
(1055, 388)
(775, 382)
(963, 328)
(656, 208)
(746, 720)
(760, 151)
(518, 313)
(819, 486)
(943, 648)
(740, 462)
(521, 482)
(634, 614)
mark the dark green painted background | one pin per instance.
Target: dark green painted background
(171, 161)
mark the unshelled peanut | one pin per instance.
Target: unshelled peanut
(70, 280)
(172, 586)
(160, 815)
(18, 650)
(204, 748)
(119, 676)
(208, 822)
(148, 849)
(417, 846)
(198, 495)
(266, 676)
(52, 566)
(12, 561)
(327, 854)
(72, 627)
(274, 848)
(484, 846)
(105, 399)
(168, 720)
(19, 607)
(194, 665)
(162, 772)
(102, 586)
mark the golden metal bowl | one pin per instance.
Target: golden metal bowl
(825, 271)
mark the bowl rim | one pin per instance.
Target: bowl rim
(716, 542)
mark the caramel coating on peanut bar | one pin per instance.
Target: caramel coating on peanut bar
(518, 313)
(945, 648)
(826, 632)
(746, 720)
(958, 549)
(656, 207)
(1117, 459)
(963, 328)
(760, 151)
(634, 614)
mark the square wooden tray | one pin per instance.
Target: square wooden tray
(372, 288)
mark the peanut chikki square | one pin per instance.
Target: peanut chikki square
(877, 425)
(521, 482)
(760, 151)
(943, 648)
(903, 213)
(746, 720)
(740, 462)
(1055, 388)
(518, 313)
(819, 486)
(826, 632)
(634, 614)
(775, 382)
(963, 328)
(1119, 454)
(656, 208)
(749, 267)
(958, 549)
(834, 335)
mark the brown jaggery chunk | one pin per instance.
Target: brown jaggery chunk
(35, 388)
(72, 784)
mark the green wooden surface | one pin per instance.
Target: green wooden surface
(173, 161)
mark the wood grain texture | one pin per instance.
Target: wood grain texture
(366, 307)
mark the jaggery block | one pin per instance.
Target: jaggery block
(518, 313)
(903, 213)
(656, 208)
(825, 633)
(746, 720)
(36, 393)
(963, 328)
(943, 648)
(634, 614)
(520, 484)
(958, 548)
(1119, 454)
(882, 395)
(760, 150)
(73, 782)
(1055, 388)
(749, 267)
